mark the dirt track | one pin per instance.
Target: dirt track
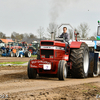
(15, 83)
(14, 59)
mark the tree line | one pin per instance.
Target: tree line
(15, 35)
(83, 30)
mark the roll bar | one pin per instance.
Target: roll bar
(70, 26)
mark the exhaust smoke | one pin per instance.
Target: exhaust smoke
(58, 7)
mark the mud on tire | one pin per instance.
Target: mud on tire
(80, 61)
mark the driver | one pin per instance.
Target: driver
(65, 36)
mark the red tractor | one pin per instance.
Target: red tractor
(80, 60)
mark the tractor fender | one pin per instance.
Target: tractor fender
(75, 44)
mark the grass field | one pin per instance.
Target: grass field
(34, 56)
(12, 62)
(15, 60)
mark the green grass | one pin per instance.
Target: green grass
(34, 56)
(13, 62)
(84, 90)
(94, 86)
(98, 93)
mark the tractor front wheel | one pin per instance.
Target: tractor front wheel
(62, 70)
(32, 73)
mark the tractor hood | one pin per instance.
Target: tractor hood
(52, 43)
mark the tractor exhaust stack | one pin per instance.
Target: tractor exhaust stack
(52, 35)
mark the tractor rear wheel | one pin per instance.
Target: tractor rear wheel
(32, 73)
(98, 70)
(11, 54)
(14, 54)
(62, 70)
(27, 54)
(17, 54)
(21, 55)
(1, 51)
(80, 61)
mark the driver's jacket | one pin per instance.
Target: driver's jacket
(65, 36)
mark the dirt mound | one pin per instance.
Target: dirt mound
(78, 92)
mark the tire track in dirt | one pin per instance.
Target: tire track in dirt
(17, 82)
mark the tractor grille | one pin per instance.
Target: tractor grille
(47, 43)
(47, 53)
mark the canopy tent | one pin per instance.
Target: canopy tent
(6, 40)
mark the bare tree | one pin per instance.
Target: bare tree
(70, 31)
(92, 38)
(26, 35)
(95, 34)
(83, 30)
(40, 32)
(21, 36)
(17, 36)
(32, 35)
(59, 32)
(2, 35)
(52, 28)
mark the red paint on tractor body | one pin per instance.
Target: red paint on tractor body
(55, 54)
(55, 43)
(38, 64)
(75, 44)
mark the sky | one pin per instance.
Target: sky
(26, 16)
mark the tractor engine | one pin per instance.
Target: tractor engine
(52, 50)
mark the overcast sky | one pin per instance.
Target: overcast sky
(25, 16)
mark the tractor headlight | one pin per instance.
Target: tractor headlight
(42, 56)
(51, 56)
(66, 57)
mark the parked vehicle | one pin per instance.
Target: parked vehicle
(34, 48)
(22, 52)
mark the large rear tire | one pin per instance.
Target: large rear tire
(62, 70)
(80, 61)
(14, 54)
(17, 54)
(11, 54)
(21, 55)
(31, 72)
(1, 51)
(30, 49)
(27, 54)
(98, 70)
